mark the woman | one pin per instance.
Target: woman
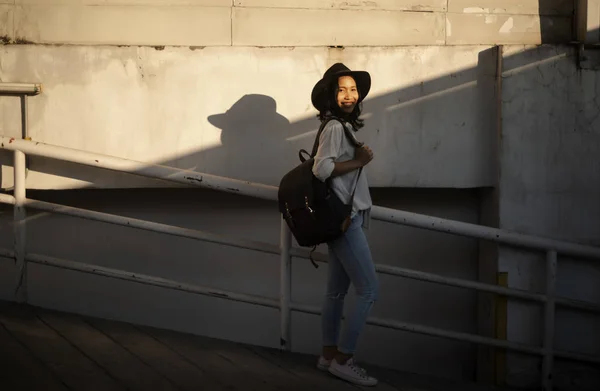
(339, 95)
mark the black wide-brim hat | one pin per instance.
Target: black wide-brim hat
(322, 90)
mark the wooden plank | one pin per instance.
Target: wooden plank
(246, 361)
(193, 348)
(115, 359)
(271, 369)
(17, 365)
(180, 371)
(75, 369)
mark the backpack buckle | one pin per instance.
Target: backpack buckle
(288, 215)
(312, 212)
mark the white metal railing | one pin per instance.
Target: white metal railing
(552, 248)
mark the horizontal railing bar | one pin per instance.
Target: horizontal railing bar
(429, 277)
(7, 199)
(273, 249)
(152, 226)
(150, 280)
(20, 88)
(270, 193)
(577, 304)
(432, 331)
(577, 356)
(166, 173)
(486, 233)
(461, 283)
(458, 336)
(272, 303)
(436, 278)
(5, 253)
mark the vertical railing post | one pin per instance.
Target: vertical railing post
(20, 168)
(549, 321)
(285, 288)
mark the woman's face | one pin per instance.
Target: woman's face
(347, 94)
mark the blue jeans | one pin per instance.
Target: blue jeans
(349, 261)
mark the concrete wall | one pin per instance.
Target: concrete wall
(250, 272)
(550, 186)
(265, 22)
(245, 112)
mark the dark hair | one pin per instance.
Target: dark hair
(331, 108)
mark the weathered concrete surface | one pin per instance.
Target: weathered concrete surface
(404, 5)
(141, 25)
(252, 272)
(550, 186)
(6, 22)
(267, 23)
(471, 28)
(270, 27)
(515, 7)
(166, 3)
(429, 125)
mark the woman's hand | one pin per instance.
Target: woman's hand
(364, 155)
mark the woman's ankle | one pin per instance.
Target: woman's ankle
(342, 358)
(329, 352)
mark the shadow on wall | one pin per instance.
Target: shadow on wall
(419, 128)
(253, 136)
(552, 32)
(256, 137)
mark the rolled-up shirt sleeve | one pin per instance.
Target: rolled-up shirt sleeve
(330, 145)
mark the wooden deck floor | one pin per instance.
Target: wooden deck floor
(48, 350)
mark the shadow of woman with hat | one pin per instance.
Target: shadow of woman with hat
(253, 140)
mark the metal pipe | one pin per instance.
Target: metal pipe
(465, 337)
(577, 304)
(152, 226)
(270, 193)
(20, 88)
(7, 199)
(437, 279)
(549, 321)
(577, 357)
(166, 173)
(139, 278)
(24, 117)
(151, 280)
(486, 233)
(20, 228)
(384, 269)
(426, 330)
(459, 283)
(6, 253)
(285, 287)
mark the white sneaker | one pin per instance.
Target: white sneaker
(323, 363)
(352, 373)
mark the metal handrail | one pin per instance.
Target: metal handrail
(20, 89)
(276, 250)
(550, 246)
(257, 190)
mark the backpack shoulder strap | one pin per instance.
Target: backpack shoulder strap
(347, 132)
